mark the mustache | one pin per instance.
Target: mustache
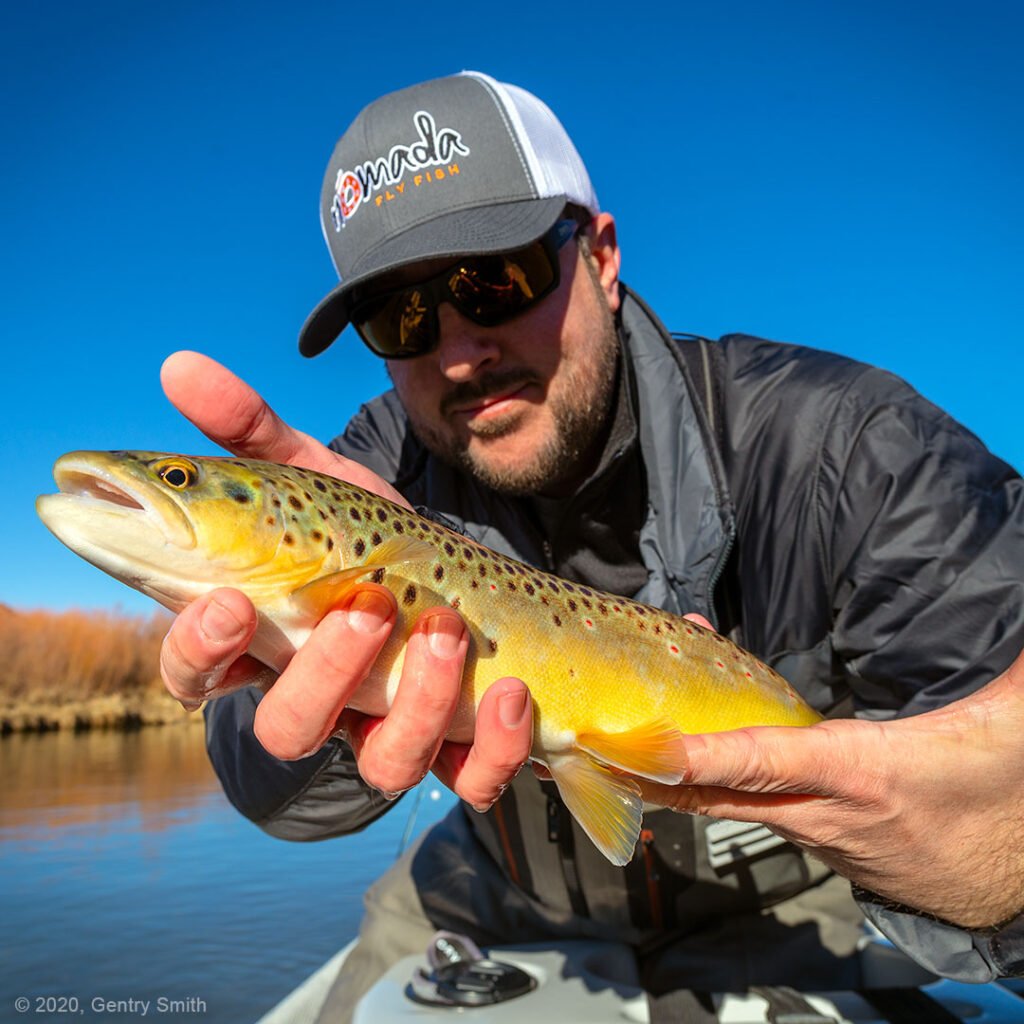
(489, 384)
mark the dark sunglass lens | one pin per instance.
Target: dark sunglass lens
(400, 327)
(493, 288)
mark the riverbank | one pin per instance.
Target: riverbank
(79, 670)
(112, 711)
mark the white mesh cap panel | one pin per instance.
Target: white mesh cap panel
(552, 158)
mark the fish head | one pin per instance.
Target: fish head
(178, 526)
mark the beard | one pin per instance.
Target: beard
(580, 415)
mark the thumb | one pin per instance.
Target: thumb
(742, 773)
(231, 414)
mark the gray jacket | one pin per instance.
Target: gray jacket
(818, 510)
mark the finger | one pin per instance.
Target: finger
(300, 711)
(202, 654)
(233, 415)
(398, 753)
(699, 619)
(480, 773)
(820, 759)
(775, 809)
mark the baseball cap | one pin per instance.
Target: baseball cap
(457, 166)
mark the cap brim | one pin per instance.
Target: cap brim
(477, 231)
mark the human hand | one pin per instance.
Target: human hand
(925, 811)
(203, 655)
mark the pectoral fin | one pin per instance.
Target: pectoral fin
(655, 750)
(326, 592)
(608, 806)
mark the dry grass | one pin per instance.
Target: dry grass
(62, 668)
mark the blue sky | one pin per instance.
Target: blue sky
(844, 175)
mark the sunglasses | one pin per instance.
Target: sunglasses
(488, 290)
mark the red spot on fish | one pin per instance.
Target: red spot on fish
(494, 586)
(588, 623)
(674, 649)
(720, 664)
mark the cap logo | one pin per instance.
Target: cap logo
(433, 148)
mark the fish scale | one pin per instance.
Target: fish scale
(615, 684)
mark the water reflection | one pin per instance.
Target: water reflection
(64, 778)
(125, 874)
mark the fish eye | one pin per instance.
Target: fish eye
(177, 473)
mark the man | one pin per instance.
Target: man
(818, 511)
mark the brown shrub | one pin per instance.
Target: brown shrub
(78, 654)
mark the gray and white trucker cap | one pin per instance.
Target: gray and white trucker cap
(456, 166)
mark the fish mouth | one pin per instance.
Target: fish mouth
(99, 491)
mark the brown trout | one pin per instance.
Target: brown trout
(614, 683)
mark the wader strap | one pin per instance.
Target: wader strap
(787, 1006)
(681, 1007)
(907, 1006)
(560, 832)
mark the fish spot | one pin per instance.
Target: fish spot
(409, 597)
(330, 544)
(276, 501)
(398, 527)
(376, 538)
(336, 497)
(572, 604)
(378, 575)
(511, 585)
(355, 514)
(568, 588)
(455, 602)
(317, 535)
(359, 547)
(494, 586)
(320, 486)
(587, 604)
(468, 554)
(673, 648)
(493, 644)
(657, 630)
(528, 587)
(474, 585)
(242, 497)
(333, 511)
(482, 569)
(543, 599)
(462, 566)
(294, 502)
(585, 592)
(572, 673)
(438, 573)
(552, 585)
(641, 610)
(498, 568)
(720, 664)
(588, 623)
(323, 514)
(382, 515)
(307, 495)
(603, 608)
(449, 548)
(288, 539)
(556, 620)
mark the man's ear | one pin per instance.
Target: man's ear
(604, 249)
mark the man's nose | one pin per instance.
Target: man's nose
(465, 348)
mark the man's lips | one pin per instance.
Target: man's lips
(489, 404)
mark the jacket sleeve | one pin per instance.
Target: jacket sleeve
(947, 950)
(923, 538)
(323, 795)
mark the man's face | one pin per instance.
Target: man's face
(524, 406)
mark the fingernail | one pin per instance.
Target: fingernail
(220, 623)
(369, 612)
(512, 708)
(388, 795)
(191, 705)
(444, 634)
(482, 808)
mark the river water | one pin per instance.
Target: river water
(126, 875)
